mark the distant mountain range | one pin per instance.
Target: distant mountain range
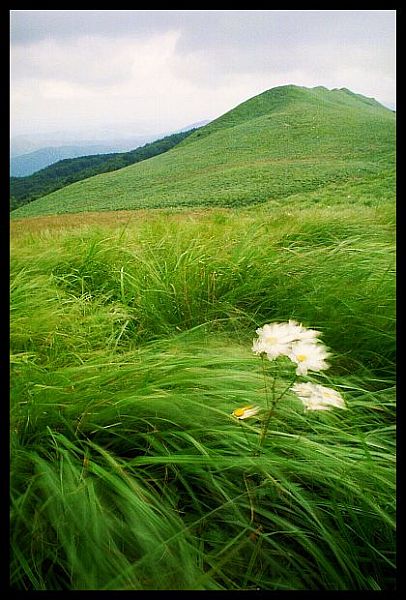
(29, 154)
(288, 140)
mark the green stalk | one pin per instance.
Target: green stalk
(270, 412)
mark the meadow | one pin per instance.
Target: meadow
(131, 346)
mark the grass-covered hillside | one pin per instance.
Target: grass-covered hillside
(53, 177)
(131, 337)
(285, 141)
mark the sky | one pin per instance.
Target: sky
(147, 71)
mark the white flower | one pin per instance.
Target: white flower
(273, 339)
(276, 339)
(302, 333)
(309, 356)
(318, 397)
(271, 347)
(245, 412)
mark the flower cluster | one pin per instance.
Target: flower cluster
(302, 346)
(296, 342)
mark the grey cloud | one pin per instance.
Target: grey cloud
(204, 28)
(28, 26)
(284, 32)
(223, 41)
(90, 64)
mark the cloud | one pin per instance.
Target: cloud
(258, 41)
(174, 67)
(204, 28)
(91, 60)
(31, 26)
(97, 79)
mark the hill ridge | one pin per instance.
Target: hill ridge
(279, 98)
(342, 135)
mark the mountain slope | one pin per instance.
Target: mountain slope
(286, 140)
(64, 172)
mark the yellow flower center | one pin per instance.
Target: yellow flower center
(270, 339)
(301, 357)
(240, 411)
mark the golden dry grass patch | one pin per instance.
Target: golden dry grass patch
(52, 223)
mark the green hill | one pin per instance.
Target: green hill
(285, 141)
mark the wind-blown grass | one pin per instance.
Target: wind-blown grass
(119, 288)
(130, 348)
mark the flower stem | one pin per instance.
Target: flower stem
(287, 388)
(265, 384)
(270, 413)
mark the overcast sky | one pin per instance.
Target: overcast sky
(147, 71)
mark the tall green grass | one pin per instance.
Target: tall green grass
(130, 348)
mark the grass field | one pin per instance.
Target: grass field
(131, 337)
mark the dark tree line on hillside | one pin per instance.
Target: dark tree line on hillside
(25, 189)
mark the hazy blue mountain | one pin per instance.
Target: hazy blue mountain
(27, 164)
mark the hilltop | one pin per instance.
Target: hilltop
(285, 141)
